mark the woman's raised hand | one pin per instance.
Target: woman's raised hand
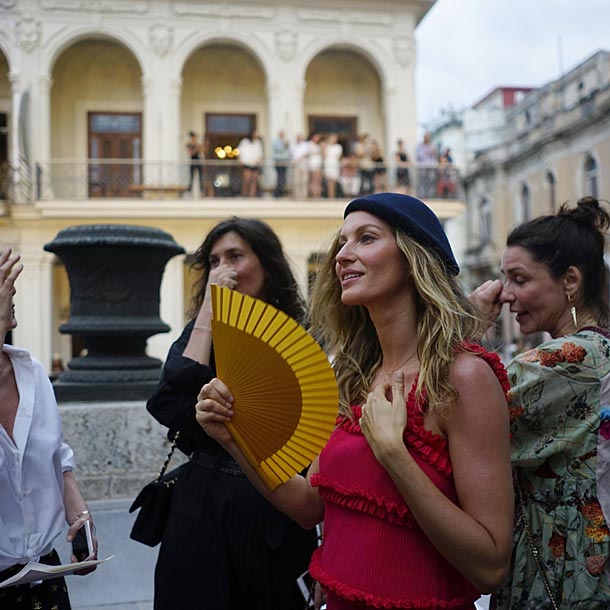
(215, 407)
(223, 275)
(487, 298)
(10, 268)
(384, 417)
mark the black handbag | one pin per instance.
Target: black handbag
(154, 502)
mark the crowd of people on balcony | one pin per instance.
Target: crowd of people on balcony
(323, 166)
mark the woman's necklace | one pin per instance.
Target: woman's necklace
(386, 376)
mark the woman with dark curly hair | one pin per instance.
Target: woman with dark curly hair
(555, 281)
(224, 547)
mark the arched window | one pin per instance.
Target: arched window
(485, 221)
(552, 186)
(526, 203)
(591, 176)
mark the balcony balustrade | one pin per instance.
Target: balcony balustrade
(122, 178)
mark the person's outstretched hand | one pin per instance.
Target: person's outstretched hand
(487, 298)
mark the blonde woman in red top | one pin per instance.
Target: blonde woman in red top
(414, 485)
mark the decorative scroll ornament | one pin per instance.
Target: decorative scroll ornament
(28, 33)
(404, 49)
(286, 44)
(161, 39)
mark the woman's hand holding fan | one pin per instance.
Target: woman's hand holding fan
(283, 400)
(215, 407)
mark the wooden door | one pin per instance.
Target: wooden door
(114, 136)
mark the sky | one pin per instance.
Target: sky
(466, 48)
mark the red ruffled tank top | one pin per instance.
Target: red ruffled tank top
(374, 553)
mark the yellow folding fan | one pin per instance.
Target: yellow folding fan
(284, 388)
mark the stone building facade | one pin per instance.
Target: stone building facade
(96, 102)
(90, 89)
(555, 149)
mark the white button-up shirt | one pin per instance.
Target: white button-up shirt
(31, 468)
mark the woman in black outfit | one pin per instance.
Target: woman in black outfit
(224, 547)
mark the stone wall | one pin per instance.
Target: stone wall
(118, 447)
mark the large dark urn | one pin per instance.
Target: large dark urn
(115, 276)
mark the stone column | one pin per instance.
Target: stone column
(289, 106)
(151, 131)
(172, 138)
(39, 136)
(295, 105)
(172, 307)
(34, 290)
(16, 93)
(285, 111)
(41, 119)
(275, 124)
(399, 94)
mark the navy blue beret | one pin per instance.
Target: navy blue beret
(411, 215)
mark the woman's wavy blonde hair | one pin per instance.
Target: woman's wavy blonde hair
(445, 319)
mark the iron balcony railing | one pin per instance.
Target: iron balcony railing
(121, 178)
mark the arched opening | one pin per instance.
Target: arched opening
(343, 95)
(96, 117)
(224, 98)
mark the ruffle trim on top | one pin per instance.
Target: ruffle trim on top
(494, 362)
(432, 447)
(363, 501)
(357, 595)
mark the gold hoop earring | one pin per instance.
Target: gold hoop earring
(573, 311)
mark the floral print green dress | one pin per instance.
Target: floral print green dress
(560, 448)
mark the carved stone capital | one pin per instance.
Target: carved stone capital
(15, 79)
(45, 82)
(148, 85)
(273, 88)
(299, 87)
(175, 86)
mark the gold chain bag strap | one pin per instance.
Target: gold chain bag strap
(154, 502)
(534, 550)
